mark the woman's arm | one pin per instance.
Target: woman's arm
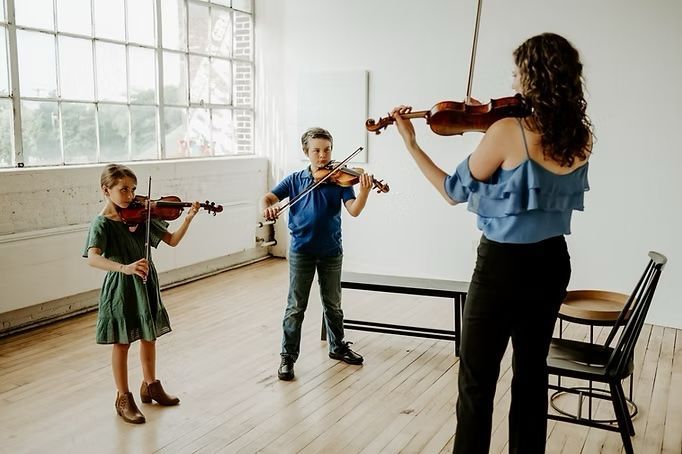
(500, 142)
(429, 169)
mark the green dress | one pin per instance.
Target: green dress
(129, 309)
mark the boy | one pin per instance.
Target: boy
(315, 226)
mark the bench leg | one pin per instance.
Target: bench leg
(458, 321)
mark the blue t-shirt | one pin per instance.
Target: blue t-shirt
(315, 220)
(523, 205)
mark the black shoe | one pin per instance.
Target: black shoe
(286, 369)
(346, 355)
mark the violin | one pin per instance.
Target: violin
(448, 118)
(167, 208)
(345, 176)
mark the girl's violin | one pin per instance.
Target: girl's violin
(167, 208)
(448, 118)
(345, 176)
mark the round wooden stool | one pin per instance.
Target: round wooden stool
(593, 308)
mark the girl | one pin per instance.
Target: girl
(523, 181)
(129, 308)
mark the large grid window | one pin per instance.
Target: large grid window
(122, 80)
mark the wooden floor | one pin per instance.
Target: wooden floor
(57, 393)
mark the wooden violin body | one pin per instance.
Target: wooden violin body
(167, 208)
(345, 176)
(448, 118)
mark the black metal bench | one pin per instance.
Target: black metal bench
(440, 288)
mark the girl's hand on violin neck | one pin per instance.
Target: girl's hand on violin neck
(193, 210)
(139, 268)
(271, 213)
(405, 127)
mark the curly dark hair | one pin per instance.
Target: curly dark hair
(552, 81)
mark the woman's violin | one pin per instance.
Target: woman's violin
(345, 176)
(167, 208)
(449, 118)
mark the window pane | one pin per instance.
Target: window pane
(4, 63)
(221, 82)
(110, 19)
(111, 72)
(74, 16)
(223, 132)
(243, 36)
(176, 132)
(40, 133)
(78, 129)
(199, 68)
(6, 133)
(113, 133)
(221, 32)
(199, 28)
(175, 78)
(2, 11)
(143, 121)
(174, 23)
(199, 133)
(222, 2)
(34, 13)
(243, 5)
(243, 130)
(243, 84)
(37, 75)
(141, 22)
(142, 73)
(75, 69)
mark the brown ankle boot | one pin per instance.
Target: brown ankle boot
(155, 391)
(127, 409)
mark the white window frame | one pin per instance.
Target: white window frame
(16, 147)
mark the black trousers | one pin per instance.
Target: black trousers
(515, 293)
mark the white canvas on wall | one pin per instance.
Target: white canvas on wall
(337, 102)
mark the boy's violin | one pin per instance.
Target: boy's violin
(345, 176)
(330, 171)
(167, 208)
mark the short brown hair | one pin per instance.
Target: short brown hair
(315, 133)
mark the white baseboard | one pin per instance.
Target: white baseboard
(23, 319)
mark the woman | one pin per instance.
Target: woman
(523, 181)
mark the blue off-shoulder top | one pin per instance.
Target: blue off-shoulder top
(523, 205)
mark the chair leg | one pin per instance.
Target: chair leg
(626, 411)
(621, 415)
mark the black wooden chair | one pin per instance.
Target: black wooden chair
(605, 364)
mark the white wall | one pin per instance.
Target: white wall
(417, 53)
(46, 212)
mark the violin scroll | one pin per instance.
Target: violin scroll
(376, 127)
(211, 207)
